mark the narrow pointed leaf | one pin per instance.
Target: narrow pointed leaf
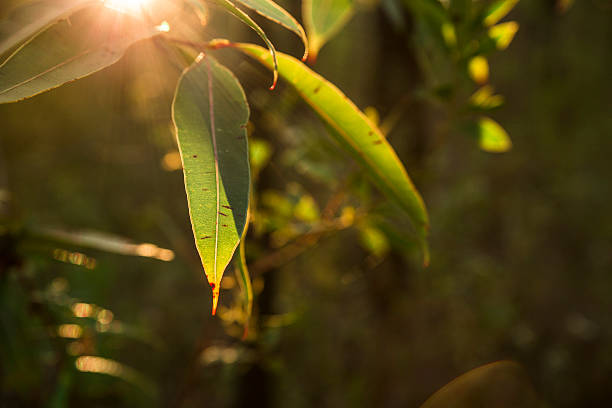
(210, 113)
(498, 10)
(353, 130)
(25, 21)
(323, 19)
(276, 13)
(100, 241)
(94, 39)
(242, 16)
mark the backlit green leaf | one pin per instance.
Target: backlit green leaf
(498, 10)
(274, 12)
(210, 113)
(323, 19)
(33, 17)
(492, 137)
(91, 41)
(502, 34)
(354, 131)
(242, 16)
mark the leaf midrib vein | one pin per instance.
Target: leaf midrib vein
(213, 133)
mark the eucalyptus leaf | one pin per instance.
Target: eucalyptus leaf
(276, 13)
(355, 133)
(323, 19)
(242, 16)
(210, 113)
(94, 39)
(30, 18)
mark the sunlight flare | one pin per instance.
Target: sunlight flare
(126, 6)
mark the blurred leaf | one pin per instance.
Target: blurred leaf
(30, 18)
(352, 129)
(484, 99)
(492, 137)
(242, 16)
(306, 209)
(503, 384)
(260, 152)
(67, 51)
(210, 114)
(323, 19)
(274, 12)
(373, 115)
(432, 10)
(100, 241)
(279, 203)
(478, 68)
(374, 240)
(498, 10)
(449, 34)
(99, 365)
(244, 280)
(502, 34)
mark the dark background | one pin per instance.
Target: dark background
(521, 242)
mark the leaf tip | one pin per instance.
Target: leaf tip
(215, 297)
(275, 80)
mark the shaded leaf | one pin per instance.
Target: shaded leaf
(25, 21)
(492, 137)
(324, 19)
(96, 38)
(354, 131)
(498, 10)
(210, 113)
(276, 13)
(502, 384)
(242, 16)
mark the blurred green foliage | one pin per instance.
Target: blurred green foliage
(345, 315)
